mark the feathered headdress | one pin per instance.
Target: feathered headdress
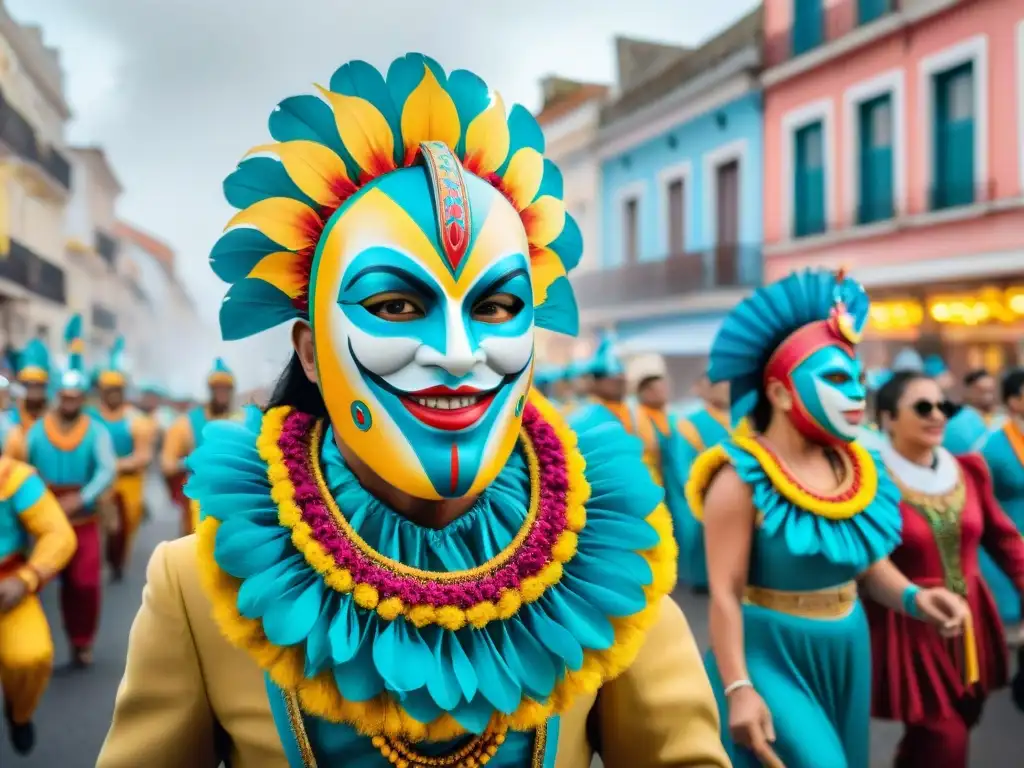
(877, 378)
(113, 373)
(780, 322)
(606, 361)
(34, 363)
(934, 365)
(73, 377)
(362, 127)
(220, 374)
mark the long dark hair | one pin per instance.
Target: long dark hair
(295, 390)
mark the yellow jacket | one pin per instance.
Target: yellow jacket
(189, 699)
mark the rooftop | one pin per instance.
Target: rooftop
(97, 158)
(742, 34)
(562, 96)
(155, 247)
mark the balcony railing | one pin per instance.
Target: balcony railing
(724, 267)
(19, 136)
(23, 267)
(837, 20)
(103, 318)
(106, 246)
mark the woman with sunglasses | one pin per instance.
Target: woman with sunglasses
(795, 516)
(937, 686)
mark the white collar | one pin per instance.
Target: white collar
(941, 479)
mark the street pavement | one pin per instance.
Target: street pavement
(75, 714)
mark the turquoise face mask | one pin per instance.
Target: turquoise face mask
(829, 396)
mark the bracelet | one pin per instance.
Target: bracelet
(735, 686)
(909, 601)
(29, 578)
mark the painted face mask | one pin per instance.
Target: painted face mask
(423, 236)
(818, 366)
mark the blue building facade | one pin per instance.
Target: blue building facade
(681, 168)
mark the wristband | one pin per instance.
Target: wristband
(910, 601)
(735, 686)
(29, 578)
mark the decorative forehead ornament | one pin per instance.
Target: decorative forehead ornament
(801, 331)
(420, 232)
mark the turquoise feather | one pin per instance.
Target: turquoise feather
(471, 97)
(404, 76)
(357, 78)
(551, 182)
(568, 246)
(559, 312)
(260, 178)
(307, 118)
(252, 306)
(524, 131)
(35, 355)
(237, 252)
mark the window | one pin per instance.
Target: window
(727, 222)
(809, 180)
(808, 25)
(631, 230)
(676, 216)
(876, 160)
(870, 10)
(953, 183)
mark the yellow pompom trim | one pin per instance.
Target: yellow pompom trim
(382, 715)
(863, 472)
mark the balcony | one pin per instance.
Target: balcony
(722, 268)
(106, 247)
(836, 21)
(21, 140)
(27, 269)
(103, 318)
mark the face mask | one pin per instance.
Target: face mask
(424, 333)
(828, 396)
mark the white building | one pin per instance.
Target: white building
(35, 178)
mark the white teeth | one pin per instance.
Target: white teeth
(447, 403)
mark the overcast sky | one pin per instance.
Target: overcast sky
(176, 91)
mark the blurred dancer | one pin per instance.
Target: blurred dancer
(795, 517)
(970, 425)
(134, 436)
(34, 367)
(937, 687)
(74, 456)
(607, 396)
(186, 434)
(36, 542)
(1003, 449)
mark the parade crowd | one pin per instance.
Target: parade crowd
(77, 447)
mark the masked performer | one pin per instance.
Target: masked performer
(606, 399)
(428, 565)
(1004, 452)
(74, 456)
(134, 435)
(36, 542)
(186, 434)
(935, 687)
(793, 517)
(34, 366)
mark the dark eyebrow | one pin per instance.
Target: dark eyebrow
(494, 286)
(402, 275)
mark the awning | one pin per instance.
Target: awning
(677, 338)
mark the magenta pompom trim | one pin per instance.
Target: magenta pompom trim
(487, 582)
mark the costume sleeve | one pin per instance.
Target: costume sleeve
(161, 714)
(53, 538)
(143, 431)
(106, 466)
(690, 433)
(1000, 538)
(16, 445)
(661, 712)
(177, 445)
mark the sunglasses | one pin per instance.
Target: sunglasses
(924, 408)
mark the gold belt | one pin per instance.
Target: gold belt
(831, 603)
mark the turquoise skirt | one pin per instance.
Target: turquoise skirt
(815, 677)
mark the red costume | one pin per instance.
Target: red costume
(937, 686)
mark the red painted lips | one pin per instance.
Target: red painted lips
(448, 409)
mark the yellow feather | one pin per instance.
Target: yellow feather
(523, 176)
(364, 131)
(545, 268)
(278, 269)
(314, 168)
(287, 222)
(429, 114)
(487, 139)
(545, 219)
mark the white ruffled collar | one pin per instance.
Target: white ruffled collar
(932, 481)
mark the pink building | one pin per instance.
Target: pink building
(894, 146)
